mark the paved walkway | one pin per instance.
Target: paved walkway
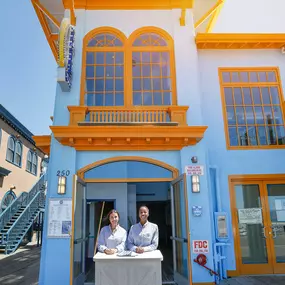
(21, 267)
(256, 280)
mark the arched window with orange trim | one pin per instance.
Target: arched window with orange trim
(153, 79)
(103, 59)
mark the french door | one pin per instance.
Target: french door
(258, 211)
(180, 232)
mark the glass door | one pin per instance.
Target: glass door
(78, 240)
(276, 206)
(180, 232)
(253, 231)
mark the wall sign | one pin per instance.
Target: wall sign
(250, 216)
(200, 246)
(59, 218)
(194, 170)
(66, 55)
(197, 211)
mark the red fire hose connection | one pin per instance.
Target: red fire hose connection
(201, 259)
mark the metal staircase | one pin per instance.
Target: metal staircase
(17, 219)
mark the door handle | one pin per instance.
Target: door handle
(274, 232)
(264, 235)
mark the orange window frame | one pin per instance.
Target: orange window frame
(128, 49)
(249, 84)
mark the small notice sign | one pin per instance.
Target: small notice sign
(200, 246)
(250, 216)
(194, 170)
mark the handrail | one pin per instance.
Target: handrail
(22, 200)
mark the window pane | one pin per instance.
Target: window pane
(252, 136)
(271, 76)
(137, 84)
(165, 64)
(274, 95)
(262, 135)
(109, 99)
(90, 71)
(90, 58)
(243, 136)
(99, 57)
(29, 166)
(167, 98)
(157, 99)
(281, 135)
(277, 115)
(34, 169)
(238, 96)
(226, 77)
(147, 98)
(119, 71)
(249, 115)
(10, 155)
(235, 77)
(137, 70)
(89, 85)
(156, 84)
(166, 83)
(99, 99)
(137, 98)
(265, 95)
(146, 84)
(262, 76)
(244, 76)
(110, 71)
(155, 70)
(271, 136)
(228, 96)
(268, 115)
(247, 96)
(253, 77)
(146, 70)
(119, 99)
(90, 99)
(99, 85)
(259, 115)
(119, 83)
(240, 115)
(145, 57)
(256, 95)
(155, 57)
(100, 71)
(17, 159)
(233, 136)
(119, 57)
(110, 57)
(231, 116)
(109, 85)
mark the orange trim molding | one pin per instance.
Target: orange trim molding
(128, 4)
(175, 171)
(240, 41)
(43, 143)
(135, 137)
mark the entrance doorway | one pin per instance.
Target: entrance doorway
(258, 211)
(132, 170)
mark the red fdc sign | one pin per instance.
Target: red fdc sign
(200, 246)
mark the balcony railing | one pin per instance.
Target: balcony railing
(169, 115)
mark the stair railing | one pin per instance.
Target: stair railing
(23, 223)
(23, 200)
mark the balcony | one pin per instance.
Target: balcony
(128, 128)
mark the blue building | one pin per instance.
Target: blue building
(156, 105)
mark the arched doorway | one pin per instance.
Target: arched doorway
(125, 183)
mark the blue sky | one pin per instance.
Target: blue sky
(27, 67)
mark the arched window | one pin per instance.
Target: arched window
(152, 69)
(11, 150)
(104, 69)
(18, 154)
(32, 162)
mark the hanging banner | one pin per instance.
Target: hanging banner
(59, 218)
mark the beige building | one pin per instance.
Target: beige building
(20, 160)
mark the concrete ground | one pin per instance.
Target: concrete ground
(21, 267)
(256, 280)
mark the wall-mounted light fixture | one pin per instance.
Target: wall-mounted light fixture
(195, 184)
(61, 186)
